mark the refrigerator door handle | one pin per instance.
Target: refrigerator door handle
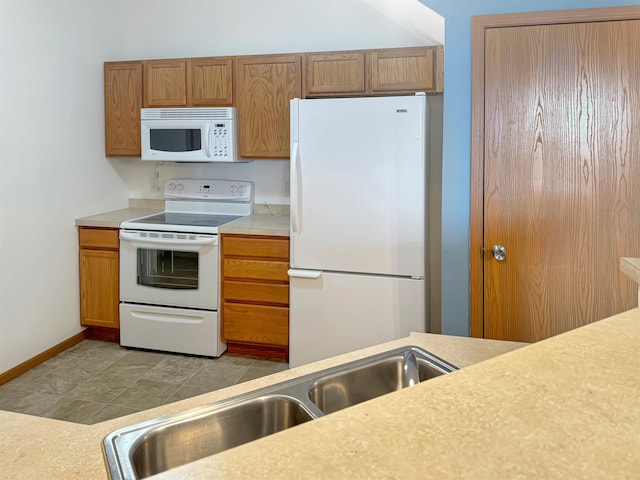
(296, 212)
(312, 274)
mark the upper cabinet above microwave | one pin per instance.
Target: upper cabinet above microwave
(129, 86)
(260, 87)
(195, 82)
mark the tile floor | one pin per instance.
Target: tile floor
(96, 381)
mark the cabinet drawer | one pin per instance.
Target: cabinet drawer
(266, 247)
(255, 292)
(255, 269)
(99, 238)
(256, 324)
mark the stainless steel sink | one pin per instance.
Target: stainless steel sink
(377, 377)
(176, 443)
(151, 447)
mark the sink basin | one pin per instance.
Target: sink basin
(152, 447)
(374, 378)
(184, 440)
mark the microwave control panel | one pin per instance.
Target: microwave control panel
(221, 140)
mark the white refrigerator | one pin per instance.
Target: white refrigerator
(358, 190)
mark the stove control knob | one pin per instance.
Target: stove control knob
(171, 186)
(180, 187)
(233, 189)
(242, 189)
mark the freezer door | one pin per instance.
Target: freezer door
(331, 314)
(358, 185)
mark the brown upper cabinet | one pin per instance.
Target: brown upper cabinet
(335, 73)
(196, 82)
(211, 82)
(404, 69)
(374, 72)
(129, 86)
(260, 87)
(264, 86)
(165, 83)
(122, 103)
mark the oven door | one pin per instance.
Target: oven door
(168, 268)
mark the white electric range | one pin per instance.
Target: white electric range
(169, 285)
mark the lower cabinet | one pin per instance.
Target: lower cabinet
(255, 295)
(99, 277)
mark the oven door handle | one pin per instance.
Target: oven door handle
(167, 318)
(167, 241)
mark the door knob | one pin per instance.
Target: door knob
(499, 252)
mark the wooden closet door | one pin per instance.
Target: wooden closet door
(561, 175)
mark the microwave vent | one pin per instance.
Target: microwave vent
(221, 113)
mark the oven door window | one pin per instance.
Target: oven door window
(168, 269)
(175, 139)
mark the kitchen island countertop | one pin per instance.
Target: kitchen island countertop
(565, 407)
(631, 267)
(35, 448)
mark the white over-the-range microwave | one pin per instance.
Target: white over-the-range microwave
(189, 134)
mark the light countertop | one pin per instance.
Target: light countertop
(262, 222)
(258, 224)
(114, 218)
(631, 267)
(36, 448)
(565, 407)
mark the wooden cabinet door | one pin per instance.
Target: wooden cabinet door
(99, 293)
(403, 70)
(211, 82)
(334, 73)
(122, 103)
(165, 83)
(265, 85)
(561, 191)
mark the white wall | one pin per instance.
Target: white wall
(50, 83)
(51, 56)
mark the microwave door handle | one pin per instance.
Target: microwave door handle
(207, 145)
(167, 241)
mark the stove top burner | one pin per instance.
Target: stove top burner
(188, 219)
(198, 206)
